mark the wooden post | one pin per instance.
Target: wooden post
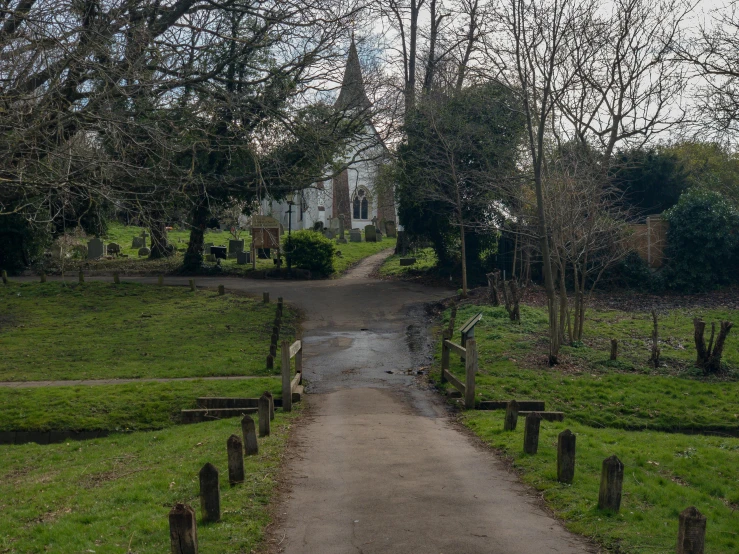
(265, 297)
(511, 416)
(271, 404)
(210, 493)
(299, 361)
(614, 350)
(192, 285)
(446, 334)
(531, 433)
(221, 290)
(566, 456)
(691, 536)
(183, 532)
(263, 416)
(273, 349)
(116, 278)
(470, 368)
(249, 431)
(5, 277)
(81, 277)
(160, 280)
(270, 361)
(43, 277)
(287, 393)
(235, 449)
(611, 483)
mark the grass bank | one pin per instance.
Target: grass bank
(426, 260)
(641, 414)
(114, 494)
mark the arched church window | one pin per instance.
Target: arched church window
(360, 205)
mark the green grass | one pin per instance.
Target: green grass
(663, 475)
(56, 331)
(113, 495)
(124, 407)
(354, 252)
(625, 409)
(425, 261)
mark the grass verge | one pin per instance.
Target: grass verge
(114, 494)
(426, 260)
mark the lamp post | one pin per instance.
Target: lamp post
(290, 202)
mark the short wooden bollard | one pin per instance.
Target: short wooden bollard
(263, 416)
(160, 280)
(249, 432)
(265, 297)
(611, 483)
(270, 361)
(691, 537)
(511, 416)
(566, 456)
(614, 350)
(183, 532)
(43, 277)
(221, 290)
(81, 277)
(192, 285)
(210, 493)
(116, 279)
(531, 433)
(446, 334)
(271, 404)
(287, 393)
(273, 349)
(235, 449)
(5, 277)
(470, 369)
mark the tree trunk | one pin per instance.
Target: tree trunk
(515, 251)
(160, 247)
(709, 358)
(493, 288)
(614, 350)
(654, 359)
(464, 262)
(194, 255)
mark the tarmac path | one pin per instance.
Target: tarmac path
(376, 465)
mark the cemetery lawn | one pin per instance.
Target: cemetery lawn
(642, 415)
(426, 260)
(354, 252)
(58, 331)
(114, 494)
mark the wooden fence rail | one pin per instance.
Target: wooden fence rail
(469, 354)
(290, 384)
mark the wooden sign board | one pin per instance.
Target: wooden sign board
(265, 232)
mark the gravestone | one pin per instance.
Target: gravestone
(56, 252)
(407, 261)
(206, 248)
(95, 249)
(370, 233)
(114, 249)
(235, 246)
(390, 231)
(243, 258)
(401, 248)
(355, 235)
(341, 239)
(144, 252)
(138, 242)
(210, 258)
(329, 234)
(219, 252)
(318, 226)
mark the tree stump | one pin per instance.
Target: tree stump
(691, 536)
(511, 416)
(614, 350)
(709, 358)
(235, 447)
(271, 404)
(249, 432)
(210, 493)
(531, 433)
(221, 290)
(264, 418)
(183, 533)
(611, 483)
(566, 456)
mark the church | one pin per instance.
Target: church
(352, 193)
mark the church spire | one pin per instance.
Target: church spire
(352, 93)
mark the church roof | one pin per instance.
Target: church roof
(352, 93)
